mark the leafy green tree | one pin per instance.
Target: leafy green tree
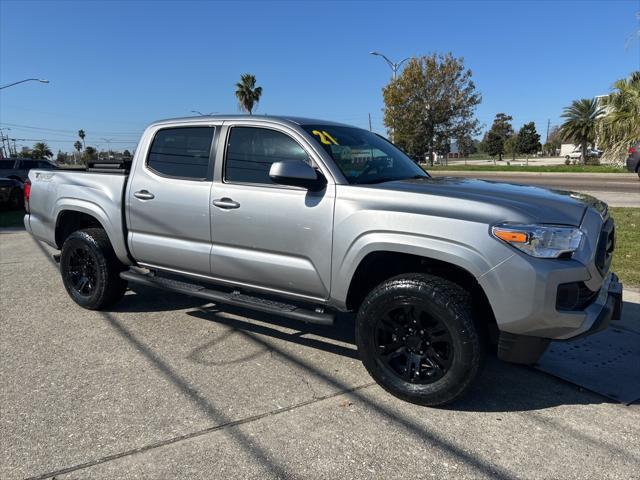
(25, 152)
(511, 146)
(466, 145)
(579, 127)
(126, 154)
(500, 131)
(619, 128)
(549, 149)
(528, 139)
(247, 93)
(481, 145)
(81, 134)
(554, 141)
(61, 157)
(41, 150)
(431, 102)
(89, 154)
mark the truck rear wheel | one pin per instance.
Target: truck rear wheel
(90, 269)
(417, 339)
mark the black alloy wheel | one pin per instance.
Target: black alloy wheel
(413, 344)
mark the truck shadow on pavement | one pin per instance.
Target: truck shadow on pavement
(502, 387)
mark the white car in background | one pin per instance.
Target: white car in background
(576, 154)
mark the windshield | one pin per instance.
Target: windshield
(362, 156)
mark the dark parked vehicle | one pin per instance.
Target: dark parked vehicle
(10, 193)
(633, 160)
(18, 168)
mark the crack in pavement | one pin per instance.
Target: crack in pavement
(198, 433)
(299, 375)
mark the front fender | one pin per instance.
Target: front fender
(457, 253)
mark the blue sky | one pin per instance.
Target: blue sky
(116, 66)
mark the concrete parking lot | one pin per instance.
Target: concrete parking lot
(165, 386)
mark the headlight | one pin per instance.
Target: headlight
(542, 241)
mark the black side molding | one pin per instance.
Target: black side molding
(235, 298)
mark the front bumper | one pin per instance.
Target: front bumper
(527, 349)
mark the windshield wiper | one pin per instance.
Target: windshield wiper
(378, 180)
(390, 179)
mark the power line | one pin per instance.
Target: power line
(65, 140)
(59, 130)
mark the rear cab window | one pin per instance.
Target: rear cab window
(181, 152)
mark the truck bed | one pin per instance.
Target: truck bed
(96, 191)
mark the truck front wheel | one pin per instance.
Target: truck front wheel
(417, 339)
(90, 269)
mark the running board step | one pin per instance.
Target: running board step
(231, 298)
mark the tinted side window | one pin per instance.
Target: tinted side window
(28, 164)
(251, 151)
(45, 165)
(181, 152)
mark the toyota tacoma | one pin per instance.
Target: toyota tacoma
(304, 218)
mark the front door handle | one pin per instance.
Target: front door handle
(144, 195)
(226, 203)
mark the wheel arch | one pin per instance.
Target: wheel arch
(380, 265)
(71, 217)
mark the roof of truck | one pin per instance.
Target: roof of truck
(273, 118)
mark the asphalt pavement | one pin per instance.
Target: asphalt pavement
(617, 189)
(164, 386)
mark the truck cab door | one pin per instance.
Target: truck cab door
(266, 236)
(168, 199)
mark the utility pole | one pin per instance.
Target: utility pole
(370, 122)
(2, 139)
(548, 124)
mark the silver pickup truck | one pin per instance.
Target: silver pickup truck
(304, 218)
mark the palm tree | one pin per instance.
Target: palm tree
(580, 124)
(247, 93)
(619, 128)
(78, 147)
(81, 134)
(41, 150)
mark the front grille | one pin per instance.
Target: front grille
(606, 245)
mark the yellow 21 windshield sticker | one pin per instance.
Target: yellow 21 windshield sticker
(325, 137)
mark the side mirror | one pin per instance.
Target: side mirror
(298, 174)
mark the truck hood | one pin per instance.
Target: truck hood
(540, 205)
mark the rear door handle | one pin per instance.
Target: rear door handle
(226, 203)
(144, 195)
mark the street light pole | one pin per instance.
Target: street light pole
(394, 66)
(108, 140)
(41, 80)
(202, 114)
